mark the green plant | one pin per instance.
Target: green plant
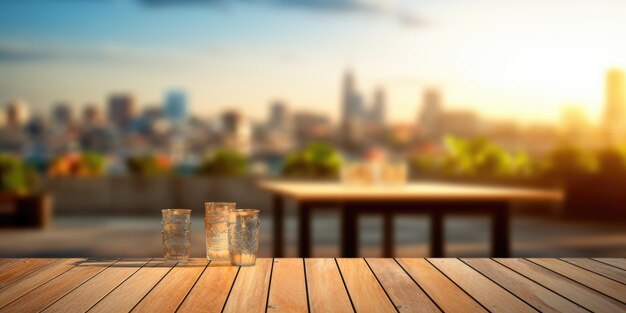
(15, 175)
(148, 165)
(224, 162)
(317, 160)
(567, 161)
(480, 157)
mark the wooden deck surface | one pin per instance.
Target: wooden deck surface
(314, 285)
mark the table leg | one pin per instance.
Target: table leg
(279, 234)
(388, 235)
(436, 234)
(500, 231)
(304, 228)
(349, 232)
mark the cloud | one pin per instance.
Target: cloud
(383, 7)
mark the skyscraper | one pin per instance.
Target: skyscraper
(352, 111)
(430, 114)
(175, 106)
(615, 107)
(278, 115)
(62, 114)
(378, 107)
(121, 110)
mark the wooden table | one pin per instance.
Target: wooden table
(315, 285)
(433, 199)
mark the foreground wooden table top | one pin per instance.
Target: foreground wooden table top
(317, 285)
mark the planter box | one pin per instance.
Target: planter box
(596, 197)
(34, 211)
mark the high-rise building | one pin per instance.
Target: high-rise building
(615, 107)
(278, 115)
(91, 115)
(175, 108)
(16, 114)
(428, 121)
(352, 112)
(121, 110)
(62, 114)
(378, 107)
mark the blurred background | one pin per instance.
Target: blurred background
(113, 110)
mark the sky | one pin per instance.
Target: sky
(521, 60)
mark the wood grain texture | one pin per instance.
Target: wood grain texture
(6, 263)
(130, 292)
(83, 298)
(21, 269)
(489, 294)
(448, 296)
(250, 290)
(541, 298)
(211, 290)
(405, 294)
(366, 293)
(600, 268)
(325, 287)
(602, 284)
(35, 279)
(55, 289)
(288, 287)
(575, 292)
(619, 263)
(170, 292)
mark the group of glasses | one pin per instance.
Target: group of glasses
(231, 234)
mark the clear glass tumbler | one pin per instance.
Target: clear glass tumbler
(176, 234)
(243, 236)
(216, 228)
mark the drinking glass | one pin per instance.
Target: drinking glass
(176, 234)
(216, 229)
(394, 172)
(243, 236)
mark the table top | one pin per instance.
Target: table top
(316, 285)
(412, 191)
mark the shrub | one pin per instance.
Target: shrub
(15, 175)
(318, 160)
(149, 165)
(224, 162)
(86, 164)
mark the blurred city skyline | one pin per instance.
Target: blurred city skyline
(503, 59)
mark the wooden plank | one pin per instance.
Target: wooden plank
(36, 279)
(406, 295)
(89, 293)
(541, 298)
(6, 263)
(448, 296)
(483, 290)
(250, 290)
(602, 284)
(126, 296)
(58, 287)
(210, 292)
(325, 287)
(599, 268)
(619, 263)
(168, 294)
(21, 269)
(431, 191)
(580, 294)
(366, 293)
(288, 287)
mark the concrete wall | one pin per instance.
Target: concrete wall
(136, 196)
